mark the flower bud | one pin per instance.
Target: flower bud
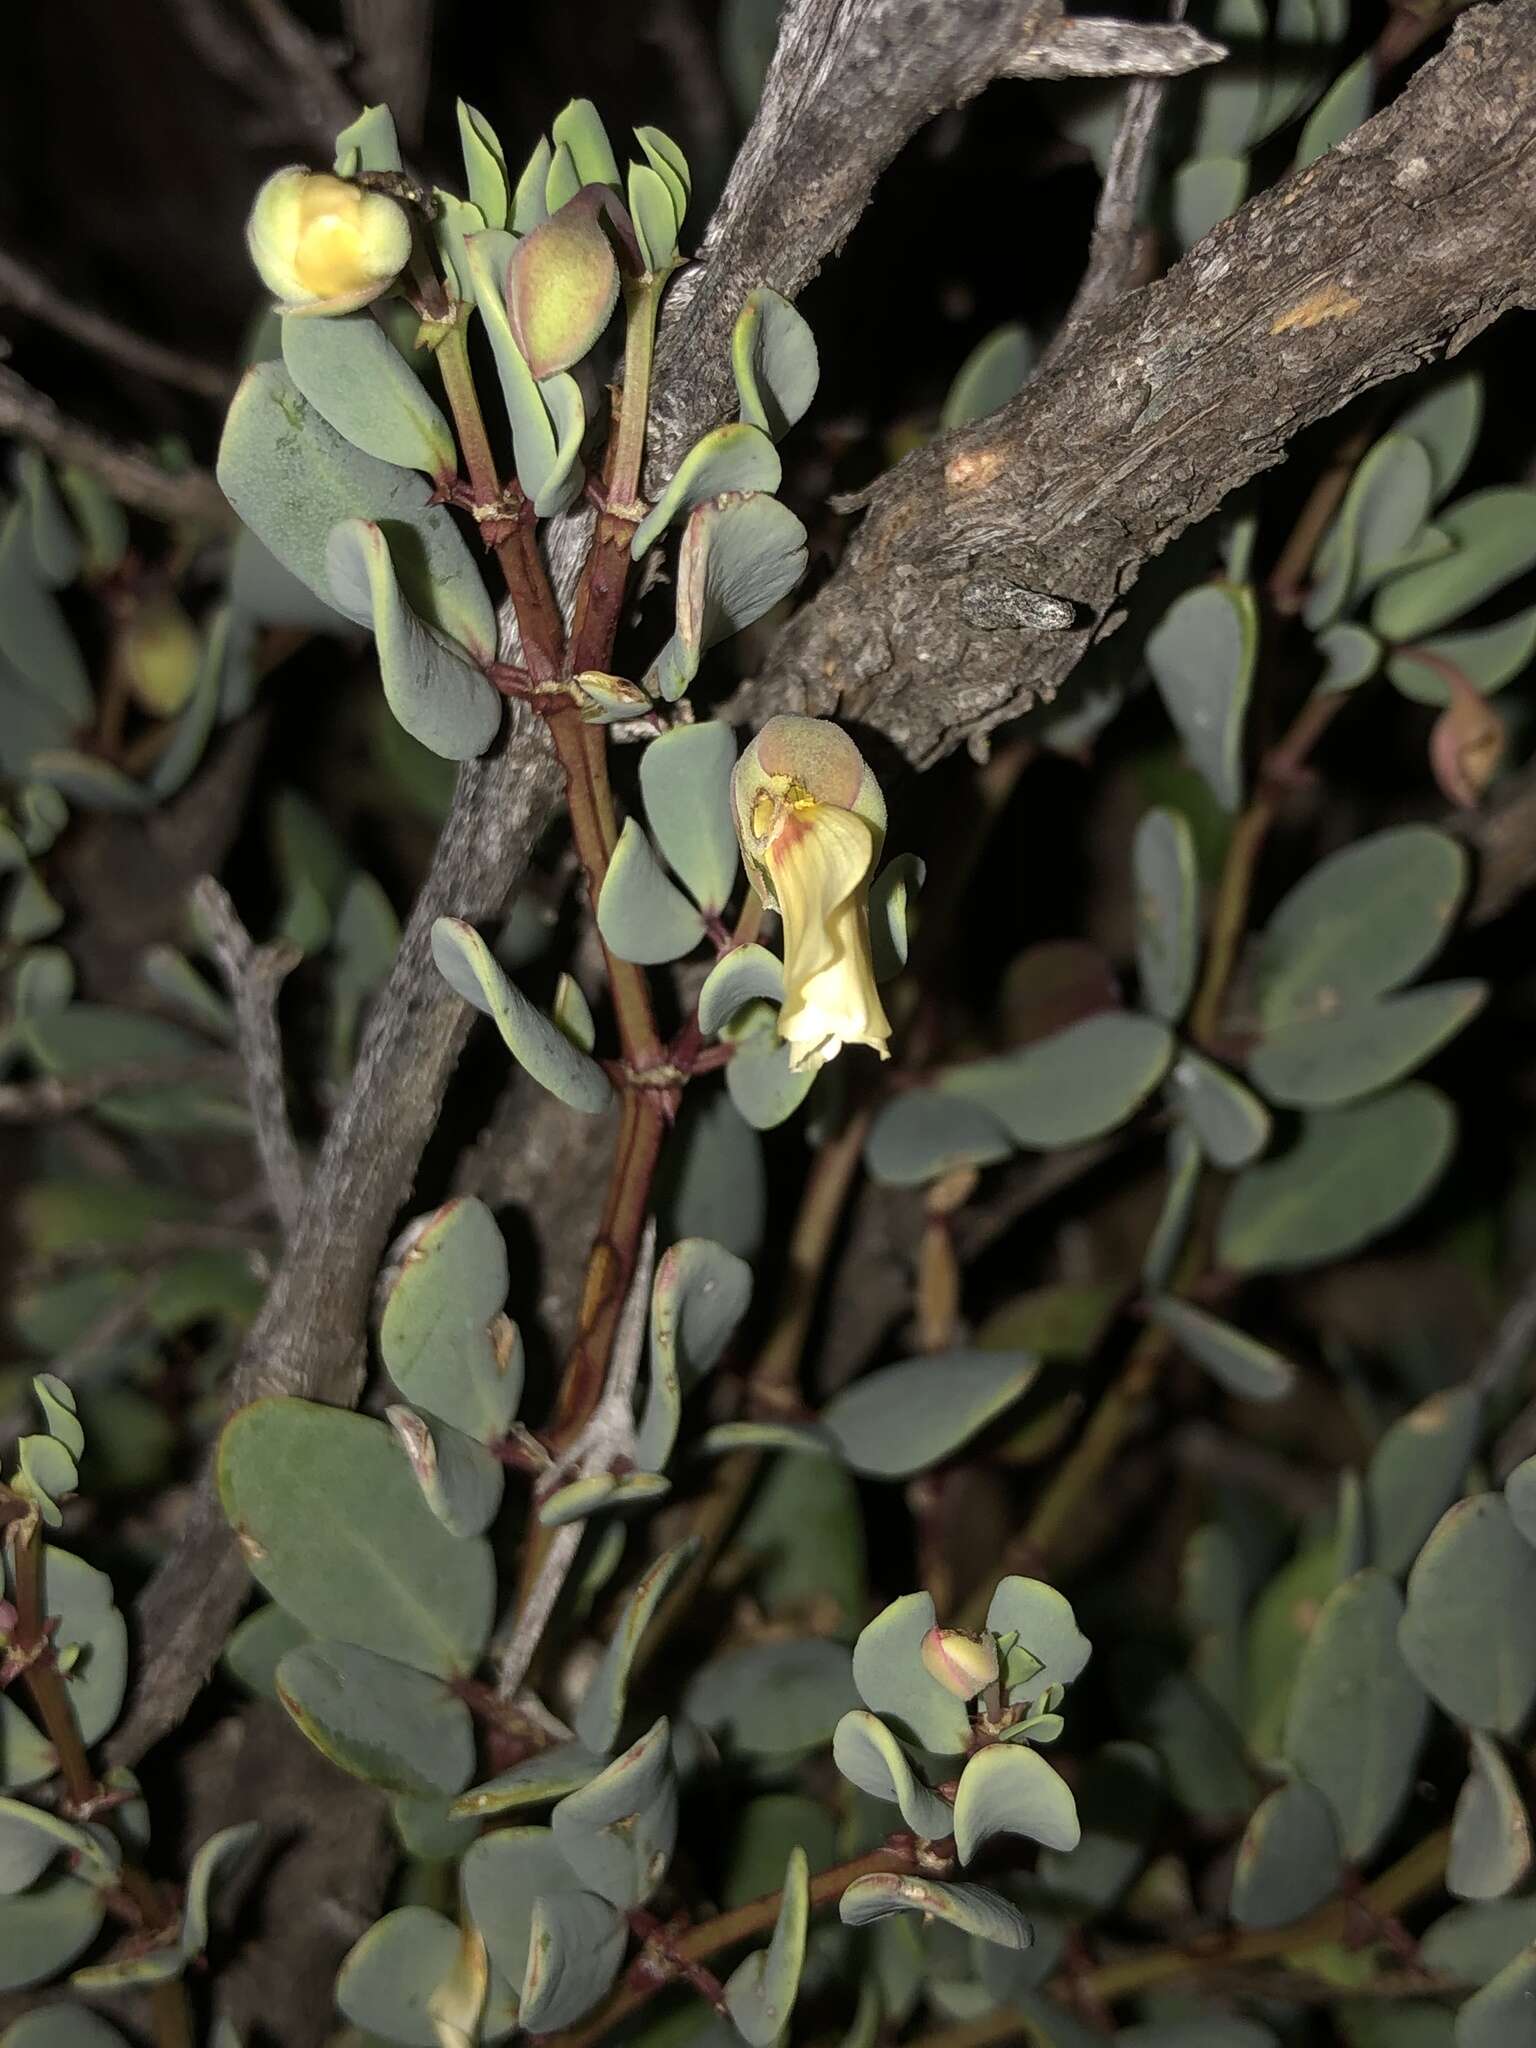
(811, 821)
(1466, 744)
(562, 286)
(161, 651)
(322, 245)
(963, 1664)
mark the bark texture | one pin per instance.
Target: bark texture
(1401, 244)
(310, 1337)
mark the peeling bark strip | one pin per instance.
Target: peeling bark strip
(851, 83)
(1407, 240)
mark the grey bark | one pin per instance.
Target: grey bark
(310, 1336)
(1403, 243)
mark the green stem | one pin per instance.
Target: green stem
(600, 598)
(641, 307)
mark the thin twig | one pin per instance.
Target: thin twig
(189, 494)
(50, 1096)
(155, 1244)
(253, 975)
(117, 1320)
(1112, 252)
(394, 57)
(33, 295)
(323, 101)
(1213, 1453)
(609, 1434)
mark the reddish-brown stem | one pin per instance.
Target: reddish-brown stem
(663, 1942)
(642, 1126)
(43, 1679)
(1287, 586)
(725, 1932)
(142, 1901)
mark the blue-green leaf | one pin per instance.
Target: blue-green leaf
(773, 357)
(372, 140)
(1490, 1830)
(618, 1832)
(894, 1683)
(1347, 102)
(923, 1134)
(991, 374)
(360, 384)
(700, 1294)
(1073, 1086)
(1351, 1175)
(736, 457)
(460, 1480)
(1202, 656)
(575, 1946)
(1010, 1789)
(601, 1712)
(1417, 1470)
(1226, 1116)
(1321, 1061)
(331, 1523)
(869, 1755)
(746, 974)
(1494, 537)
(1468, 1632)
(1238, 1362)
(1288, 1860)
(685, 778)
(760, 1992)
(1167, 911)
(547, 419)
(43, 1930)
(441, 699)
(469, 967)
(447, 1345)
(485, 165)
(1357, 1716)
(970, 1908)
(1361, 923)
(292, 479)
(740, 554)
(642, 915)
(905, 1418)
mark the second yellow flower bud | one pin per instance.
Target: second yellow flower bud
(322, 245)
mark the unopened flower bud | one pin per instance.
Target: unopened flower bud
(1466, 744)
(811, 820)
(562, 286)
(963, 1664)
(322, 245)
(161, 651)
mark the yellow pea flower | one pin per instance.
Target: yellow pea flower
(811, 821)
(322, 245)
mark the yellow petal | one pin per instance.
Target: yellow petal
(820, 862)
